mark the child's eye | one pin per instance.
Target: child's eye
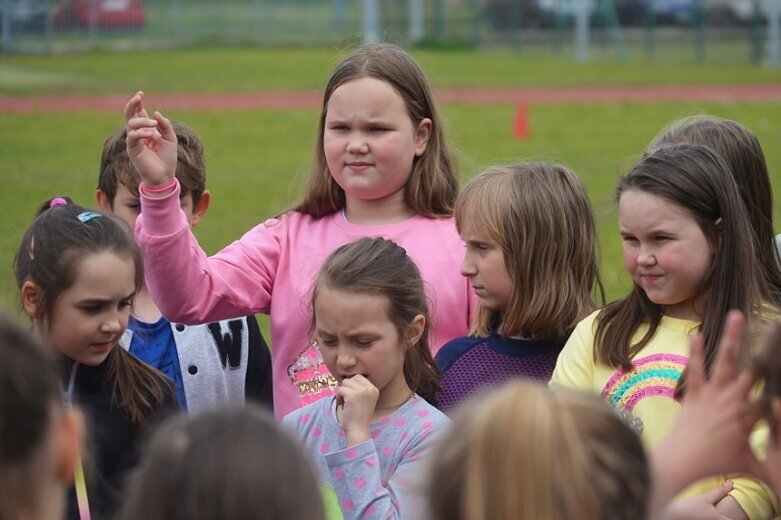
(338, 128)
(378, 129)
(660, 238)
(627, 238)
(364, 342)
(327, 342)
(91, 309)
(125, 303)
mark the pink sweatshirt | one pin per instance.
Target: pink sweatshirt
(272, 269)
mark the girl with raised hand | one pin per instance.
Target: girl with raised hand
(369, 441)
(381, 168)
(689, 248)
(77, 272)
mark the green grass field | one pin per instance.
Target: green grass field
(257, 159)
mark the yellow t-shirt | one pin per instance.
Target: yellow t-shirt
(646, 394)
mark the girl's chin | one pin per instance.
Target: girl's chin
(96, 358)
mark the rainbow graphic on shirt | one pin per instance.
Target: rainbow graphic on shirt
(651, 376)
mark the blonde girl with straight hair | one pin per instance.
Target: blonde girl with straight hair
(531, 258)
(524, 451)
(381, 168)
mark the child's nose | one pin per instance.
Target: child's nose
(467, 267)
(345, 359)
(645, 256)
(357, 143)
(111, 324)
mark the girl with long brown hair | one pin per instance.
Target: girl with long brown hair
(77, 272)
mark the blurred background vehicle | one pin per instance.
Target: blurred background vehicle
(664, 12)
(108, 14)
(549, 13)
(23, 16)
(736, 11)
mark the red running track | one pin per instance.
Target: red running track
(311, 99)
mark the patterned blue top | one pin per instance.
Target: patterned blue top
(469, 364)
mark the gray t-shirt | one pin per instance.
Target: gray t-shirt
(379, 478)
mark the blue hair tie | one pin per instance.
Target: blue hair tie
(87, 216)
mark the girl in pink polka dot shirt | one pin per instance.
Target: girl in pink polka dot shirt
(370, 441)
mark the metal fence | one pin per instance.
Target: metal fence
(577, 25)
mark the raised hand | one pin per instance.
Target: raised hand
(151, 143)
(711, 434)
(357, 398)
(717, 416)
(773, 461)
(768, 365)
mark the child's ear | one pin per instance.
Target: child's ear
(422, 136)
(104, 204)
(203, 206)
(719, 227)
(31, 299)
(415, 329)
(70, 444)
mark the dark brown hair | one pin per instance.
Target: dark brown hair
(380, 267)
(541, 217)
(433, 184)
(50, 254)
(741, 150)
(116, 168)
(236, 463)
(698, 180)
(29, 397)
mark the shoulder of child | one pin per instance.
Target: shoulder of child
(590, 321)
(454, 349)
(425, 418)
(292, 219)
(302, 418)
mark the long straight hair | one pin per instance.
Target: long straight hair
(376, 266)
(541, 217)
(740, 149)
(697, 180)
(50, 255)
(433, 184)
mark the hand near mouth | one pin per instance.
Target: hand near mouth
(356, 399)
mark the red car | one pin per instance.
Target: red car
(110, 14)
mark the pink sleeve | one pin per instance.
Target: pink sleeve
(190, 287)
